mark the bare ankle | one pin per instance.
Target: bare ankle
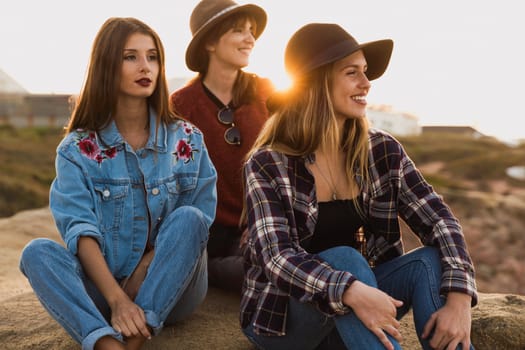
(109, 343)
(135, 343)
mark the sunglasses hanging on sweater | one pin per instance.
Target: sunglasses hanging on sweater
(226, 116)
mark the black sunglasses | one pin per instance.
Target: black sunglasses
(232, 135)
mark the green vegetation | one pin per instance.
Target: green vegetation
(27, 163)
(27, 168)
(477, 161)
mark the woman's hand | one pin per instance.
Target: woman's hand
(128, 318)
(451, 324)
(376, 309)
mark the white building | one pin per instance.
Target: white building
(394, 122)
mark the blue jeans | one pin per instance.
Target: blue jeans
(175, 285)
(413, 278)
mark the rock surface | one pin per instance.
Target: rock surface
(498, 320)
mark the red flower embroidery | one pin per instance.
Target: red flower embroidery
(99, 158)
(183, 151)
(88, 148)
(111, 153)
(187, 128)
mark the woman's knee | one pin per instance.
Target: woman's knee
(36, 253)
(346, 258)
(429, 258)
(188, 221)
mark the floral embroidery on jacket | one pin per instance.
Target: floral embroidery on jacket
(86, 141)
(184, 149)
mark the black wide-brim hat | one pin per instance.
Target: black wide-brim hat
(317, 44)
(206, 14)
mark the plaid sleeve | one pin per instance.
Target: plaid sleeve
(428, 216)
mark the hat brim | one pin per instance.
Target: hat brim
(377, 55)
(192, 55)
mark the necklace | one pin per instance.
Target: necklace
(138, 141)
(329, 183)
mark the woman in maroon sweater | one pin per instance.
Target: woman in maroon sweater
(229, 106)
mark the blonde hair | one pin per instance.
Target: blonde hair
(304, 120)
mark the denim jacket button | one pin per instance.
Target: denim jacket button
(106, 193)
(155, 191)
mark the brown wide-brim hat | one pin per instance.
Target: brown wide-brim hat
(317, 44)
(206, 15)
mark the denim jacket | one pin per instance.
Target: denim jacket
(106, 190)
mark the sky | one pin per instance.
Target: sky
(454, 62)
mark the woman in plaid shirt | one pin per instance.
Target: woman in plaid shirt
(325, 266)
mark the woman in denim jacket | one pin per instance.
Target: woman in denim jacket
(133, 199)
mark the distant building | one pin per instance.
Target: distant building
(19, 108)
(397, 123)
(451, 129)
(51, 110)
(29, 110)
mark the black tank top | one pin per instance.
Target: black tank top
(337, 224)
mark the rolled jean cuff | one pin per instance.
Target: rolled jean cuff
(88, 343)
(153, 320)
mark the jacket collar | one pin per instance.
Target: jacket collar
(157, 138)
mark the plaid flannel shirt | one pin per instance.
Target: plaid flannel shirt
(282, 212)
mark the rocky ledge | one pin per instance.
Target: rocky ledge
(498, 321)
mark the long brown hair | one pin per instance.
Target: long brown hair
(304, 120)
(244, 88)
(98, 98)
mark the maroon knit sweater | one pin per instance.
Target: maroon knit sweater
(192, 103)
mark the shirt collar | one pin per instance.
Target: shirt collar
(156, 140)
